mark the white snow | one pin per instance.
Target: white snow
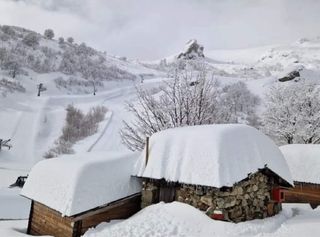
(178, 219)
(303, 161)
(72, 184)
(12, 205)
(211, 155)
(13, 228)
(34, 123)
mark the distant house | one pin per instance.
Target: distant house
(75, 192)
(304, 163)
(233, 172)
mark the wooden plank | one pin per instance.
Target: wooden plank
(303, 193)
(30, 217)
(77, 229)
(133, 198)
(122, 212)
(46, 221)
(147, 150)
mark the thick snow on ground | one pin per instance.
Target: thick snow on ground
(12, 205)
(13, 228)
(212, 155)
(249, 55)
(73, 184)
(178, 219)
(303, 161)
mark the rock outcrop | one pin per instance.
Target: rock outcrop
(292, 75)
(192, 50)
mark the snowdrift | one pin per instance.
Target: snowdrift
(211, 155)
(179, 219)
(73, 184)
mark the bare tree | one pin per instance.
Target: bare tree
(178, 103)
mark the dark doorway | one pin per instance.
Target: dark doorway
(167, 194)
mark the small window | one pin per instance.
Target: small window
(281, 195)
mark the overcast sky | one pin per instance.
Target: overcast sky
(151, 29)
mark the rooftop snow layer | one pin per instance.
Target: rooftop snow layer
(211, 155)
(73, 184)
(303, 161)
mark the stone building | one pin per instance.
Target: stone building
(232, 172)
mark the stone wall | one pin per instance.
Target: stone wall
(247, 200)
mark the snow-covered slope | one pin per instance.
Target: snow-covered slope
(211, 155)
(68, 71)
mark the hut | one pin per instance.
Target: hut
(304, 163)
(75, 192)
(232, 172)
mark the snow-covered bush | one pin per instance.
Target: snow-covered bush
(70, 40)
(8, 30)
(12, 67)
(293, 113)
(78, 126)
(61, 40)
(189, 99)
(77, 85)
(238, 104)
(9, 86)
(31, 39)
(49, 34)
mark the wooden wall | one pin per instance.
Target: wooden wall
(304, 193)
(46, 221)
(121, 209)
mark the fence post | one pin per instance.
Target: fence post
(147, 150)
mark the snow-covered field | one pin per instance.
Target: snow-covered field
(34, 123)
(178, 219)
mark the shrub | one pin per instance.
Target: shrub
(49, 34)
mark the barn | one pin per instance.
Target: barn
(304, 163)
(75, 192)
(232, 172)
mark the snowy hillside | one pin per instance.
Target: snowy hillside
(71, 73)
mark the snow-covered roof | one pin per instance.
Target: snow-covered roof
(211, 155)
(72, 184)
(303, 161)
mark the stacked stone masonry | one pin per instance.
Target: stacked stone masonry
(246, 200)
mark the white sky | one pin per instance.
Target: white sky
(151, 29)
